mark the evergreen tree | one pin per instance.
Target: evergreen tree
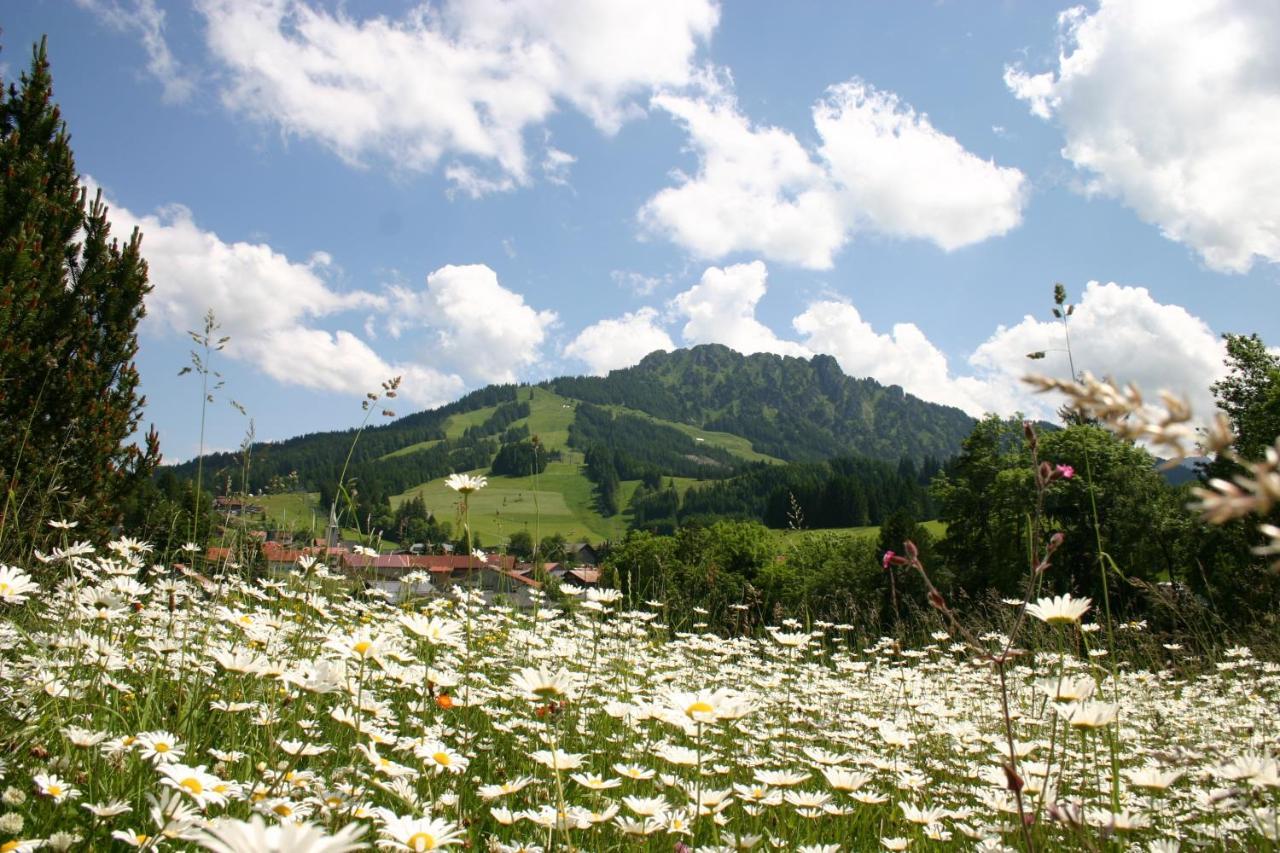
(70, 302)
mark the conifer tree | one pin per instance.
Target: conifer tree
(71, 298)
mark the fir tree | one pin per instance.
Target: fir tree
(71, 298)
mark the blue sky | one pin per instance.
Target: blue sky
(470, 192)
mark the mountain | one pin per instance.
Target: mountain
(790, 408)
(646, 435)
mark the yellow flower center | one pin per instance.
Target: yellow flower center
(9, 846)
(4, 589)
(363, 647)
(441, 758)
(161, 747)
(193, 785)
(55, 790)
(421, 841)
(141, 838)
(699, 708)
(284, 810)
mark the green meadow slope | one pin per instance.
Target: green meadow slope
(559, 500)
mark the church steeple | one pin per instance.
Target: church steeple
(332, 532)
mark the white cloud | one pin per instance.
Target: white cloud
(1118, 331)
(555, 166)
(721, 309)
(1115, 330)
(463, 79)
(880, 167)
(145, 19)
(1174, 108)
(757, 189)
(485, 331)
(639, 283)
(905, 358)
(904, 178)
(268, 305)
(619, 342)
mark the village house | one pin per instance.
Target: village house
(582, 554)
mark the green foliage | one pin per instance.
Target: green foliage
(826, 576)
(791, 408)
(317, 457)
(519, 460)
(520, 544)
(413, 523)
(899, 527)
(552, 548)
(987, 498)
(71, 297)
(1250, 394)
(501, 419)
(635, 447)
(846, 491)
(1226, 571)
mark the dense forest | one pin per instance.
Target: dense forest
(846, 491)
(790, 408)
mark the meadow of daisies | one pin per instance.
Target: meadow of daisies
(156, 706)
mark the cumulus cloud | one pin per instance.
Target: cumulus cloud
(905, 357)
(268, 305)
(721, 309)
(619, 342)
(464, 79)
(757, 189)
(485, 331)
(1174, 108)
(1118, 331)
(146, 21)
(880, 167)
(904, 178)
(1115, 330)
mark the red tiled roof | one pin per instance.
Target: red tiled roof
(430, 562)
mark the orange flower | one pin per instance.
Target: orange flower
(445, 701)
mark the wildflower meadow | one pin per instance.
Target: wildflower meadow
(161, 706)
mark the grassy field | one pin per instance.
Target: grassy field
(564, 500)
(293, 510)
(562, 503)
(549, 418)
(735, 444)
(937, 529)
(886, 747)
(411, 448)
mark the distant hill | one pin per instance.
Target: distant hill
(678, 420)
(789, 408)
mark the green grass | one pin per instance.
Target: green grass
(565, 504)
(411, 448)
(549, 417)
(735, 444)
(293, 510)
(457, 424)
(937, 529)
(565, 497)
